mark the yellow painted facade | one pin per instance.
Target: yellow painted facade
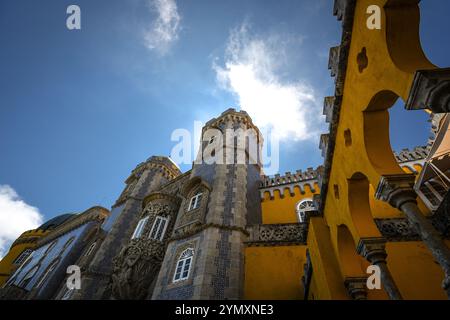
(27, 240)
(379, 69)
(265, 280)
(283, 209)
(393, 54)
(275, 272)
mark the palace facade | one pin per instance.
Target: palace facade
(227, 231)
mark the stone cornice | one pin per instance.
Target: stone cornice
(170, 169)
(93, 214)
(196, 228)
(430, 90)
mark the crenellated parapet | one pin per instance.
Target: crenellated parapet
(300, 179)
(412, 159)
(168, 168)
(238, 119)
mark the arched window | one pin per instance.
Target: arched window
(140, 228)
(23, 256)
(67, 244)
(91, 248)
(303, 207)
(47, 273)
(195, 201)
(50, 247)
(184, 265)
(67, 294)
(27, 278)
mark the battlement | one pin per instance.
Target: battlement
(288, 178)
(169, 168)
(231, 115)
(231, 112)
(406, 155)
(290, 181)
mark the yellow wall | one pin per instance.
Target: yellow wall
(7, 266)
(393, 56)
(282, 210)
(274, 272)
(416, 273)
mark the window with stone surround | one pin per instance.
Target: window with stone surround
(159, 228)
(30, 274)
(303, 207)
(91, 248)
(140, 228)
(67, 294)
(195, 201)
(47, 273)
(23, 256)
(184, 265)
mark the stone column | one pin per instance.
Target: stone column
(356, 287)
(373, 249)
(398, 191)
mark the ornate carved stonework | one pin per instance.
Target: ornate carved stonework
(270, 234)
(396, 189)
(189, 219)
(356, 287)
(430, 89)
(135, 268)
(397, 229)
(137, 265)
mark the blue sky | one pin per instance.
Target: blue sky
(80, 109)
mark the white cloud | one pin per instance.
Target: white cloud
(15, 217)
(253, 69)
(164, 30)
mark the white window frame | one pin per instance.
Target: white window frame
(139, 228)
(23, 256)
(90, 249)
(68, 294)
(194, 202)
(301, 213)
(47, 273)
(184, 263)
(28, 276)
(157, 227)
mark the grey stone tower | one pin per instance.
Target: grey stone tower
(118, 228)
(220, 200)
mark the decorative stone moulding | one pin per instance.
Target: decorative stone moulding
(277, 234)
(430, 90)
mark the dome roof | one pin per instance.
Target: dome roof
(56, 221)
